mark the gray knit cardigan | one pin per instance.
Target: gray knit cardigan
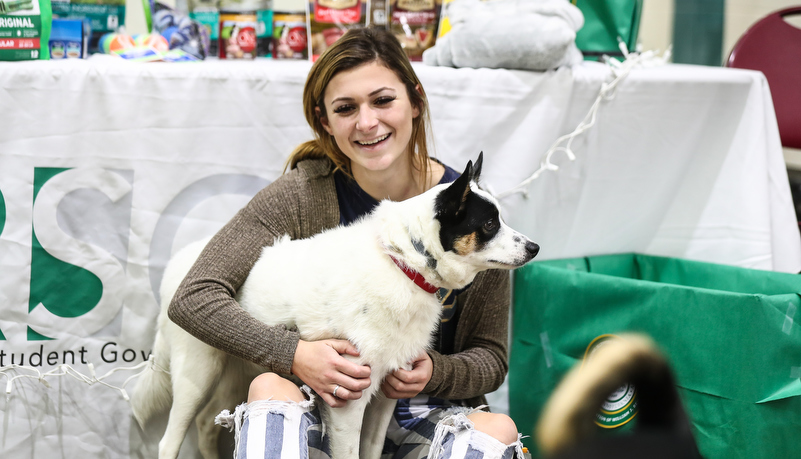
(301, 203)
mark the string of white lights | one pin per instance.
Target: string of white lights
(66, 370)
(620, 70)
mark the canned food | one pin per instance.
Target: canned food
(290, 40)
(238, 35)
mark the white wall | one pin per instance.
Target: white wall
(656, 32)
(656, 26)
(740, 14)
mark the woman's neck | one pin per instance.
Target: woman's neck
(398, 184)
(390, 184)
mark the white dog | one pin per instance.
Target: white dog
(360, 280)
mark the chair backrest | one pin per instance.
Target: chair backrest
(773, 46)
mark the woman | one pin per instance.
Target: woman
(369, 114)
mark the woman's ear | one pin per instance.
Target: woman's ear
(323, 120)
(415, 108)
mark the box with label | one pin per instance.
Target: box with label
(69, 38)
(104, 16)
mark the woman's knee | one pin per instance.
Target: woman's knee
(497, 425)
(270, 386)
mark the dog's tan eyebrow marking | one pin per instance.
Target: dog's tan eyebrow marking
(466, 244)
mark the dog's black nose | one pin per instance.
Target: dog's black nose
(532, 248)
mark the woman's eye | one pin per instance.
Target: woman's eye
(384, 100)
(342, 109)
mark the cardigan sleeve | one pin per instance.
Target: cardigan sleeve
(205, 305)
(480, 361)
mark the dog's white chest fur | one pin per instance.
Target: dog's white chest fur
(331, 287)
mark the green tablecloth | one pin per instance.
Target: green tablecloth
(731, 334)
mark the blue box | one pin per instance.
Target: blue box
(69, 39)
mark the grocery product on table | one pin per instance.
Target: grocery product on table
(290, 40)
(24, 29)
(330, 19)
(414, 23)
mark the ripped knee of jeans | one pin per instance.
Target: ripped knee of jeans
(286, 408)
(233, 421)
(456, 434)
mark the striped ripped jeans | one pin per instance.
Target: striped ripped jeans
(421, 427)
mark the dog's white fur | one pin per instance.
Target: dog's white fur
(338, 284)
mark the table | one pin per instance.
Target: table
(107, 167)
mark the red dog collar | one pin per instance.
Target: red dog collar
(416, 277)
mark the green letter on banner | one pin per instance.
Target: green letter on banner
(2, 212)
(34, 336)
(63, 289)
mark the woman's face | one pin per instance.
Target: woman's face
(370, 116)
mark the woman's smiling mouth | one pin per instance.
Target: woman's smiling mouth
(367, 143)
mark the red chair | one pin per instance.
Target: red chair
(773, 46)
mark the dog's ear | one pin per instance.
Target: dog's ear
(451, 200)
(477, 167)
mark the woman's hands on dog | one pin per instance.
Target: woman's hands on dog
(321, 365)
(408, 383)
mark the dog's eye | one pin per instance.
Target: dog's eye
(490, 225)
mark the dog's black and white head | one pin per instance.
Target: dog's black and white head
(471, 225)
(459, 232)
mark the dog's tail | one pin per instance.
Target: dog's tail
(153, 392)
(568, 418)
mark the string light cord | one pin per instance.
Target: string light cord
(66, 370)
(619, 71)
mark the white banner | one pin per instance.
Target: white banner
(82, 249)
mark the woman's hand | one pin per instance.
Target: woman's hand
(408, 383)
(320, 364)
